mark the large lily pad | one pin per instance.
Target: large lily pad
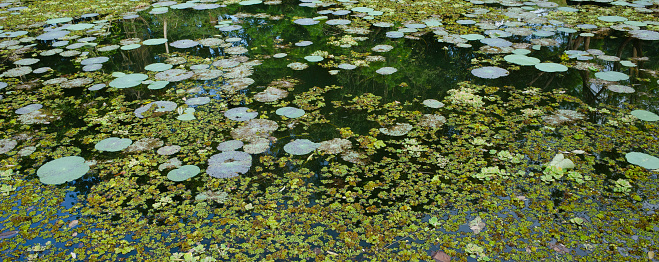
(229, 164)
(645, 115)
(62, 170)
(643, 160)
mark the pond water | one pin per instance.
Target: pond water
(329, 131)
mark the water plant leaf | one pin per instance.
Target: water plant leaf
(62, 170)
(551, 67)
(229, 164)
(129, 80)
(7, 144)
(183, 173)
(300, 147)
(240, 114)
(645, 115)
(643, 160)
(386, 70)
(113, 144)
(28, 109)
(521, 60)
(611, 76)
(290, 112)
(489, 72)
(230, 145)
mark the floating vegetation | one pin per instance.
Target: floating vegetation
(62, 170)
(449, 146)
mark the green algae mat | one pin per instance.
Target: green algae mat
(336, 130)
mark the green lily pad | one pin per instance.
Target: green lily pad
(521, 60)
(645, 115)
(155, 41)
(290, 112)
(611, 76)
(129, 80)
(643, 160)
(158, 85)
(183, 173)
(113, 144)
(612, 19)
(62, 170)
(551, 67)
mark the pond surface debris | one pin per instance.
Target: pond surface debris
(334, 130)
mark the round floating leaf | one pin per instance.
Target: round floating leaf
(158, 85)
(52, 35)
(645, 34)
(643, 160)
(551, 67)
(300, 147)
(185, 43)
(7, 144)
(28, 109)
(611, 76)
(183, 173)
(645, 115)
(313, 58)
(306, 21)
(521, 60)
(432, 103)
(612, 19)
(130, 47)
(347, 66)
(386, 70)
(489, 72)
(472, 37)
(290, 112)
(27, 61)
(394, 34)
(113, 144)
(621, 89)
(168, 150)
(202, 100)
(230, 145)
(62, 170)
(129, 80)
(229, 164)
(95, 60)
(155, 41)
(59, 20)
(240, 114)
